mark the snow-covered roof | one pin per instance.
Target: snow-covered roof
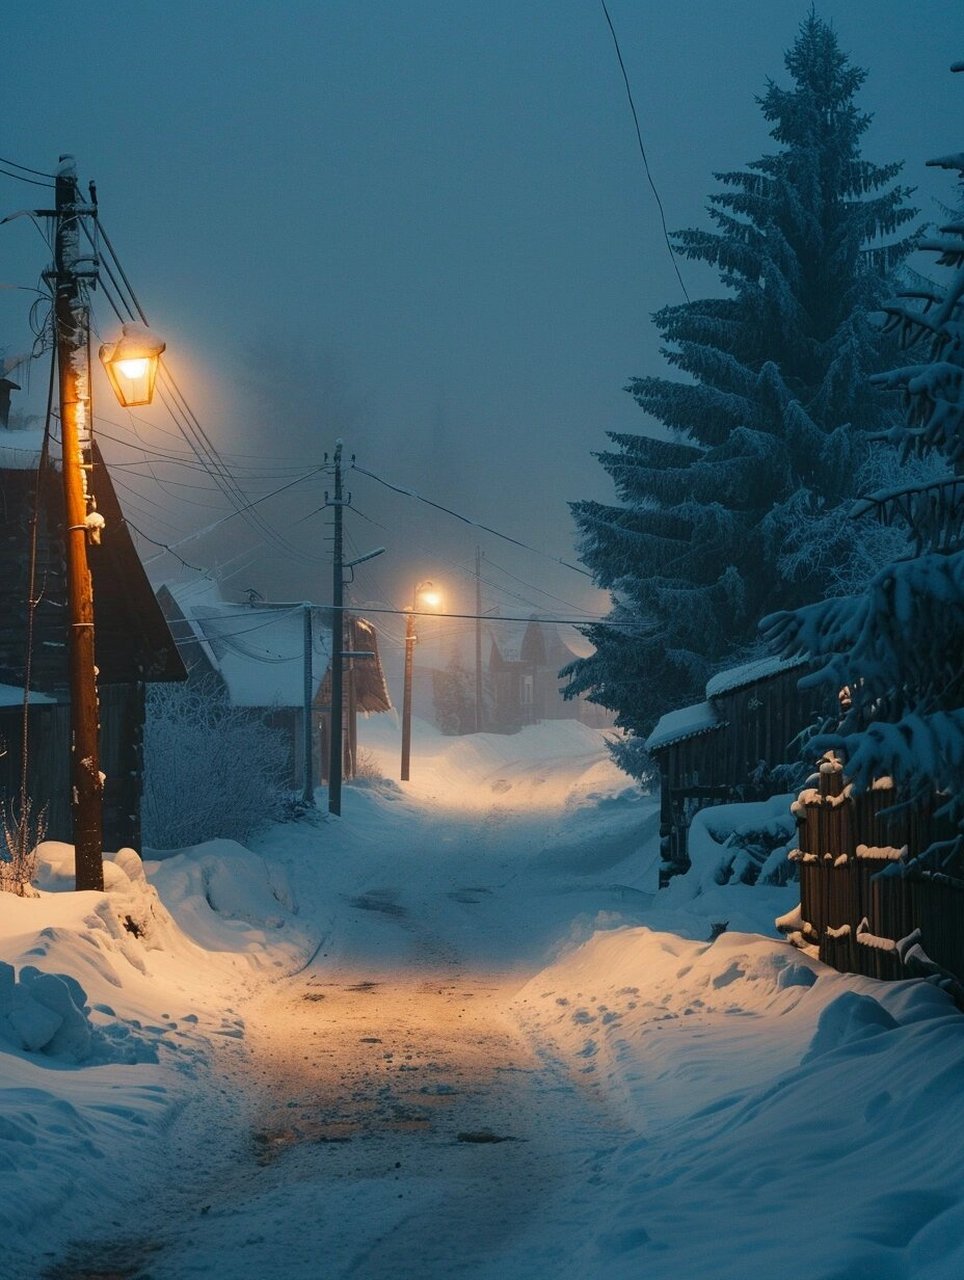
(685, 722)
(259, 651)
(258, 648)
(11, 695)
(749, 673)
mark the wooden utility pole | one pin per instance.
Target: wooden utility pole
(406, 768)
(308, 792)
(337, 646)
(72, 324)
(478, 640)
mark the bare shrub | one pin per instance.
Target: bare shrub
(210, 769)
(23, 831)
(366, 768)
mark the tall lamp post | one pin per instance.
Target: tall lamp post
(136, 356)
(426, 593)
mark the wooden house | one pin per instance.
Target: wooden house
(255, 655)
(730, 747)
(133, 644)
(524, 683)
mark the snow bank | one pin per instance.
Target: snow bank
(106, 1032)
(773, 1110)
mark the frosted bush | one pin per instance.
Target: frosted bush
(210, 769)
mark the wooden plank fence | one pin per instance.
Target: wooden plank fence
(866, 901)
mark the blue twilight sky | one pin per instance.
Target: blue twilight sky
(422, 225)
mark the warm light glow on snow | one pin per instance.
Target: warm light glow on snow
(533, 771)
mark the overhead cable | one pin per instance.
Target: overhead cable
(41, 173)
(642, 152)
(410, 493)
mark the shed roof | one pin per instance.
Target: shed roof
(684, 722)
(11, 695)
(749, 673)
(258, 649)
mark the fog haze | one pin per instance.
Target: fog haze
(422, 227)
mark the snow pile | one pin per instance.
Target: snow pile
(543, 766)
(44, 1012)
(769, 1105)
(227, 898)
(110, 1015)
(739, 844)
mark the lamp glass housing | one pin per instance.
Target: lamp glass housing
(131, 365)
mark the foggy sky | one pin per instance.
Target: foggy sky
(420, 225)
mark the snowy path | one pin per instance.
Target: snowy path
(365, 1159)
(381, 1066)
(489, 965)
(385, 1114)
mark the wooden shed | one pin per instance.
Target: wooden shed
(730, 747)
(133, 643)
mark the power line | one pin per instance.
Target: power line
(410, 493)
(41, 173)
(199, 533)
(117, 262)
(153, 541)
(531, 585)
(191, 429)
(468, 572)
(642, 151)
(20, 178)
(496, 617)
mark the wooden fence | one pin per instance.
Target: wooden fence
(865, 900)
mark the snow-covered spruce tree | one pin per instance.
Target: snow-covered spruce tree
(770, 420)
(898, 647)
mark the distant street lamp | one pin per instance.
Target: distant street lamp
(426, 594)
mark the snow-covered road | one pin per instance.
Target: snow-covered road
(387, 1116)
(398, 1126)
(293, 1062)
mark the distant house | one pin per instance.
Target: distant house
(133, 644)
(524, 683)
(727, 748)
(255, 655)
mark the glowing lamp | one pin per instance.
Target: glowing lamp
(429, 596)
(131, 364)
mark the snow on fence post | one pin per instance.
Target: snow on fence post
(870, 906)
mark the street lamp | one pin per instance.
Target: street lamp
(426, 594)
(131, 364)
